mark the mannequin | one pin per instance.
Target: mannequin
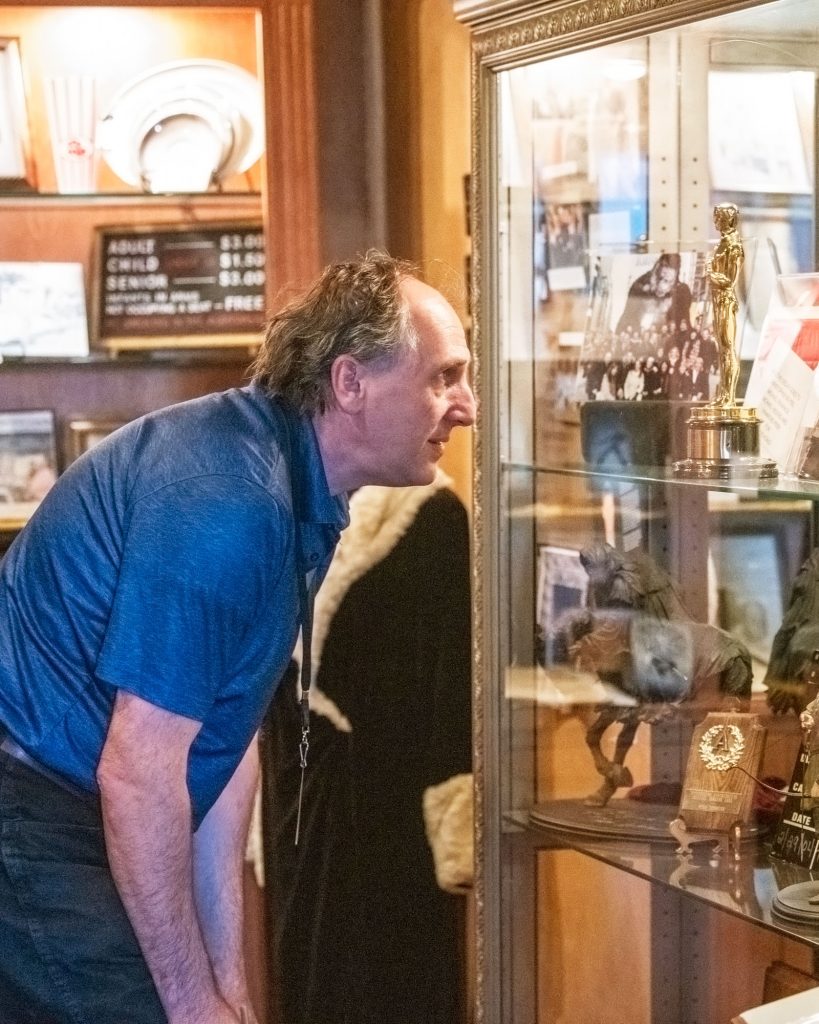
(366, 933)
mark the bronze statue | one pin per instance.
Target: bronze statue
(723, 267)
(666, 666)
(636, 635)
(633, 580)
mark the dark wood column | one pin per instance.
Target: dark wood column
(292, 201)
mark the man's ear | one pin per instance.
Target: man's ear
(346, 379)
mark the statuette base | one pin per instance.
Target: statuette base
(723, 444)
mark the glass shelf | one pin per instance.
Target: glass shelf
(744, 888)
(785, 487)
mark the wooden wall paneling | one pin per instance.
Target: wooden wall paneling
(427, 144)
(113, 390)
(350, 123)
(27, 225)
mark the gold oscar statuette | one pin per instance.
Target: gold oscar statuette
(723, 435)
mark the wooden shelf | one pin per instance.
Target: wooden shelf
(203, 200)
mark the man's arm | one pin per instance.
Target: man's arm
(219, 846)
(146, 812)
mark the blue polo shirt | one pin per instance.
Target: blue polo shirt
(163, 563)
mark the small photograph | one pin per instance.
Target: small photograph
(563, 584)
(42, 311)
(84, 434)
(28, 457)
(567, 245)
(755, 134)
(649, 330)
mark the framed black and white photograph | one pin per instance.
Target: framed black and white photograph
(750, 586)
(84, 434)
(16, 167)
(649, 329)
(28, 460)
(42, 311)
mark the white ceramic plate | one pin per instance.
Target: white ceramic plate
(208, 110)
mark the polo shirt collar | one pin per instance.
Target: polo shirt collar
(317, 504)
(311, 492)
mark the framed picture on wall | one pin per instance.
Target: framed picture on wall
(84, 434)
(16, 166)
(28, 462)
(42, 311)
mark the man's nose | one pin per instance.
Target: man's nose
(464, 407)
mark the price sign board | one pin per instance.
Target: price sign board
(179, 286)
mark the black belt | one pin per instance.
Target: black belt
(13, 749)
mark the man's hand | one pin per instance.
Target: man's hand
(246, 1014)
(219, 846)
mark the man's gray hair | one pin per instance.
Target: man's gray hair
(355, 308)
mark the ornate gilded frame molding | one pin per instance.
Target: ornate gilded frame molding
(507, 35)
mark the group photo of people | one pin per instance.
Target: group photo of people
(649, 336)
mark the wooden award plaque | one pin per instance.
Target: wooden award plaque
(718, 791)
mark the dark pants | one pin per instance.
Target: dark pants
(68, 954)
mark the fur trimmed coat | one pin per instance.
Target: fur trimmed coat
(363, 934)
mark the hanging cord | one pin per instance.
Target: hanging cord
(306, 604)
(306, 599)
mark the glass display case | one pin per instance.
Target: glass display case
(647, 635)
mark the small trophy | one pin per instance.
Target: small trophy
(717, 802)
(723, 436)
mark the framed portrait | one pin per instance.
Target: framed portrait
(84, 434)
(28, 462)
(42, 311)
(753, 562)
(16, 165)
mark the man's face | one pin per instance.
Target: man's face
(414, 403)
(665, 280)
